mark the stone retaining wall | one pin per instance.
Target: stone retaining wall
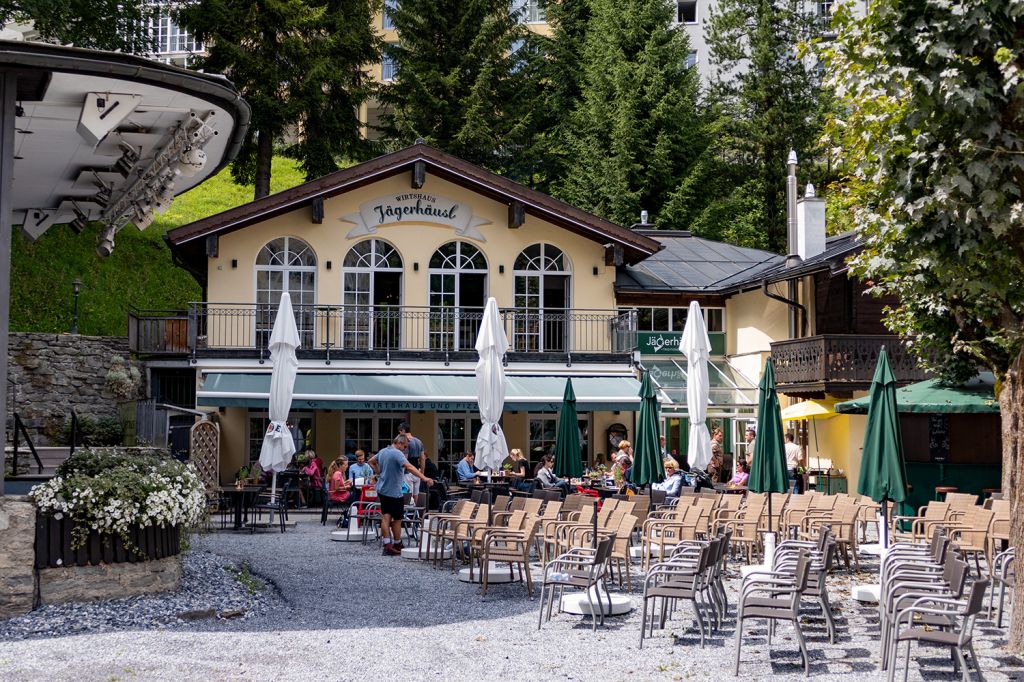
(17, 555)
(57, 372)
(108, 581)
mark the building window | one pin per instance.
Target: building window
(528, 11)
(542, 285)
(168, 36)
(674, 319)
(543, 434)
(458, 290)
(686, 11)
(825, 8)
(388, 19)
(285, 264)
(370, 433)
(372, 292)
(388, 68)
(259, 420)
(456, 435)
(691, 59)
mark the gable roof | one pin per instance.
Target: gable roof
(688, 264)
(187, 241)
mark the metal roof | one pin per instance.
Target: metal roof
(694, 264)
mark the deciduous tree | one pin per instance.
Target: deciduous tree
(933, 127)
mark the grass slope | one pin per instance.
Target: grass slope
(138, 273)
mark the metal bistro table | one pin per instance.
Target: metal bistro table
(238, 497)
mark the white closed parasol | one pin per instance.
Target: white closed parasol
(696, 346)
(491, 344)
(278, 445)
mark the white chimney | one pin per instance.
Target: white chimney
(810, 224)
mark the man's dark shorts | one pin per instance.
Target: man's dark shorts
(392, 506)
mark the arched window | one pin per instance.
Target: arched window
(458, 290)
(285, 264)
(371, 293)
(543, 281)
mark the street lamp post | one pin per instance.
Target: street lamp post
(76, 287)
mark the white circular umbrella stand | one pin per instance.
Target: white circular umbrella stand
(351, 534)
(577, 603)
(498, 574)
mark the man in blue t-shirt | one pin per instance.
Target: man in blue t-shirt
(390, 463)
(415, 455)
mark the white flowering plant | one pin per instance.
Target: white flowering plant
(110, 490)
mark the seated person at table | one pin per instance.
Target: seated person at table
(742, 474)
(518, 466)
(547, 477)
(360, 469)
(621, 466)
(314, 469)
(465, 469)
(339, 485)
(673, 479)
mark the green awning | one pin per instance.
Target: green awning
(932, 396)
(399, 392)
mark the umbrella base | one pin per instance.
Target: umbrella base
(871, 550)
(866, 593)
(638, 552)
(577, 603)
(498, 573)
(351, 534)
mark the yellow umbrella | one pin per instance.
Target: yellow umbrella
(812, 410)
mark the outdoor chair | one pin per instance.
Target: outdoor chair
(685, 577)
(435, 529)
(910, 581)
(745, 527)
(415, 511)
(660, 535)
(1003, 579)
(551, 530)
(821, 558)
(970, 531)
(773, 596)
(955, 619)
(508, 545)
(274, 505)
(368, 516)
(921, 525)
(581, 568)
(842, 521)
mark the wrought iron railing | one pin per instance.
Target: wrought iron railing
(841, 360)
(335, 329)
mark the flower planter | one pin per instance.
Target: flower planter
(54, 544)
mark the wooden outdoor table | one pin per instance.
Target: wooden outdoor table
(238, 497)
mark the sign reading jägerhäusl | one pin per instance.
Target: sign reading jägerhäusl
(419, 207)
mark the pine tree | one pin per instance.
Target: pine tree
(299, 64)
(466, 81)
(637, 129)
(768, 99)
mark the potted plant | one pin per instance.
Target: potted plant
(119, 495)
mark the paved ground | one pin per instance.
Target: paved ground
(342, 611)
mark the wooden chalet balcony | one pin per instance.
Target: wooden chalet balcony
(838, 364)
(241, 330)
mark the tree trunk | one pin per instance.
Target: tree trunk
(1011, 410)
(264, 156)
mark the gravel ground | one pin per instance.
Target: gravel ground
(344, 611)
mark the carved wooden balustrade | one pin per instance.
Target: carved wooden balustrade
(835, 363)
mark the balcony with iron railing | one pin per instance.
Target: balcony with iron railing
(331, 332)
(839, 363)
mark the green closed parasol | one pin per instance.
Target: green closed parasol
(882, 470)
(768, 473)
(567, 444)
(647, 465)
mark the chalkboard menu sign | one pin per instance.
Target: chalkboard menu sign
(938, 437)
